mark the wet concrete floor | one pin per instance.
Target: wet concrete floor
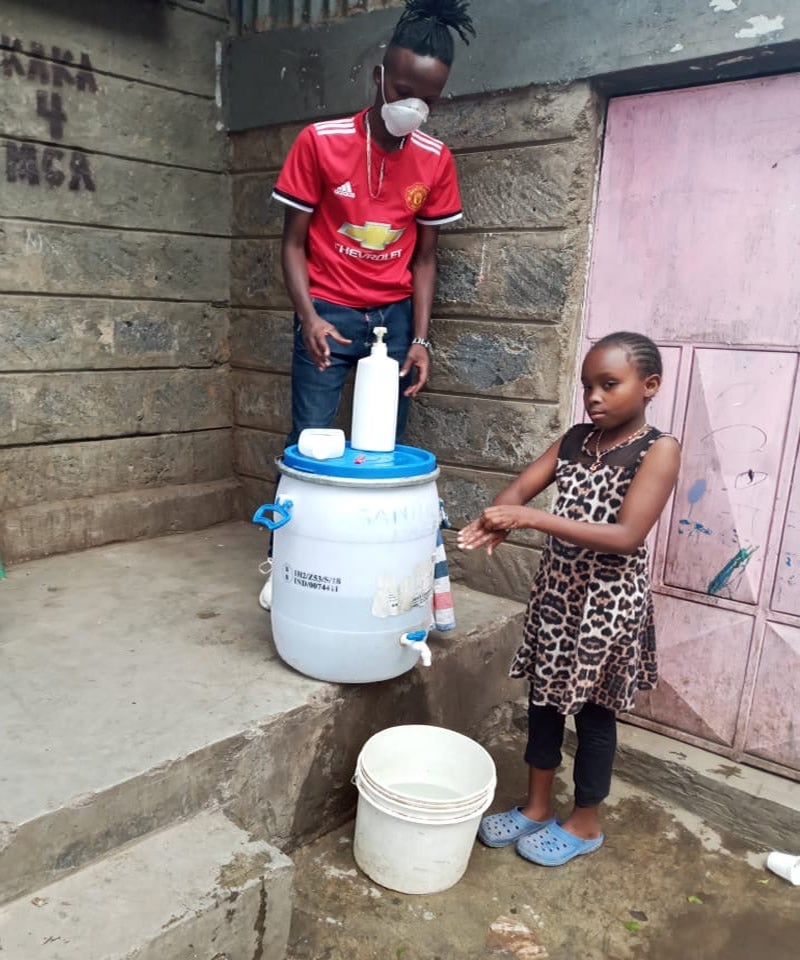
(664, 886)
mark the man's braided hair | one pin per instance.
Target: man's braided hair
(424, 27)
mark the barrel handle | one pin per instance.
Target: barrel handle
(281, 509)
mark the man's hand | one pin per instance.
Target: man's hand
(417, 356)
(316, 332)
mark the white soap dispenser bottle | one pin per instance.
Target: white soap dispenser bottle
(375, 399)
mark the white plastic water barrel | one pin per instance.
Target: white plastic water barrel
(352, 568)
(422, 791)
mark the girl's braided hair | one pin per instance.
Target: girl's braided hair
(425, 25)
(641, 351)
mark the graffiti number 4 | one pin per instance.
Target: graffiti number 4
(49, 107)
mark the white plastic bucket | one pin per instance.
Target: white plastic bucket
(422, 791)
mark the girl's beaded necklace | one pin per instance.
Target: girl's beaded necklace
(598, 455)
(381, 172)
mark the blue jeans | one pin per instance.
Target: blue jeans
(315, 394)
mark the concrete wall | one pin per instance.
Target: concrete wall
(115, 406)
(261, 15)
(622, 46)
(507, 314)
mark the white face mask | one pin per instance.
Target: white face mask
(401, 117)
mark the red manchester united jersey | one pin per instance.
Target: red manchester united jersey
(362, 233)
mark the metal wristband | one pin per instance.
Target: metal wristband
(422, 342)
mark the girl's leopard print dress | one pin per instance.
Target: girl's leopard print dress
(589, 632)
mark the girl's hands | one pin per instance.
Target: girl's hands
(475, 535)
(506, 516)
(493, 526)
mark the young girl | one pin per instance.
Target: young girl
(589, 641)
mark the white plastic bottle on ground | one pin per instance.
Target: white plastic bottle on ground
(375, 399)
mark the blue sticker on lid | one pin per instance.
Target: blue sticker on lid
(364, 464)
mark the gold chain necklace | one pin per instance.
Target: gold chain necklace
(381, 172)
(599, 454)
(374, 195)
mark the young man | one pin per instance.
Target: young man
(365, 197)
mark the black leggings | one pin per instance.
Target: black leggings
(597, 742)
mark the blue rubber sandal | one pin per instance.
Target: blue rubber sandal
(554, 846)
(503, 829)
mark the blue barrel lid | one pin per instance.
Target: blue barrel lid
(364, 464)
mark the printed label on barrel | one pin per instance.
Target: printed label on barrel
(311, 581)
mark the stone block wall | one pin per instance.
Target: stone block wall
(115, 411)
(278, 14)
(507, 314)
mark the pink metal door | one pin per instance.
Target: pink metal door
(697, 244)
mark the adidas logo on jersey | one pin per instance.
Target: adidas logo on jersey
(345, 190)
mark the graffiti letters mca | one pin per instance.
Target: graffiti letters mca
(55, 72)
(25, 162)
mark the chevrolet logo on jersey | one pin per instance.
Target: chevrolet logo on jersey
(372, 236)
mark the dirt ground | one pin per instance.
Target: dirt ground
(664, 886)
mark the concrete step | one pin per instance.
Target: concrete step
(751, 807)
(42, 529)
(201, 889)
(139, 685)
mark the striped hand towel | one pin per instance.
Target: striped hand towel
(444, 617)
